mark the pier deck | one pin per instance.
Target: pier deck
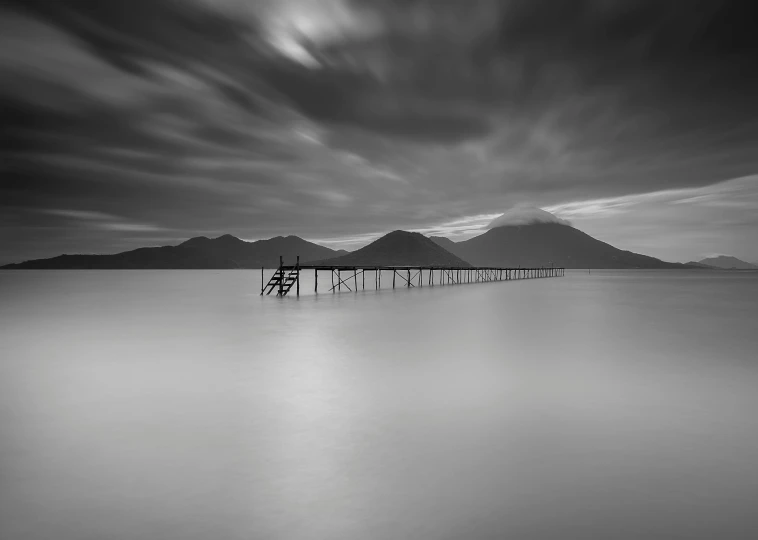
(286, 277)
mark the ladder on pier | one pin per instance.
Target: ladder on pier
(283, 280)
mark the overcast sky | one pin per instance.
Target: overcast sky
(146, 122)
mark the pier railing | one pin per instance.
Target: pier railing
(285, 277)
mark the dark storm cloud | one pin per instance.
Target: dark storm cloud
(348, 117)
(119, 32)
(337, 96)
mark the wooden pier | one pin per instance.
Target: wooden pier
(287, 277)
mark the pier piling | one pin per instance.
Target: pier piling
(287, 277)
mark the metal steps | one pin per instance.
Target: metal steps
(282, 281)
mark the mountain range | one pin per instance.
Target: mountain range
(226, 251)
(539, 243)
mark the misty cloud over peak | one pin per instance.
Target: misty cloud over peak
(525, 216)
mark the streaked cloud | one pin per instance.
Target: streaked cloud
(83, 215)
(340, 119)
(93, 219)
(737, 193)
(680, 224)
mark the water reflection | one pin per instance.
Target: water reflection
(182, 405)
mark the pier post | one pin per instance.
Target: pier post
(288, 277)
(281, 276)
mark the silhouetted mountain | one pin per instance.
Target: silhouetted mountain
(544, 244)
(443, 242)
(399, 248)
(728, 263)
(196, 253)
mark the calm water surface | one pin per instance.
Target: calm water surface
(158, 405)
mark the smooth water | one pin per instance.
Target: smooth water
(180, 405)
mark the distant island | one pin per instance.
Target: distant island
(531, 240)
(723, 262)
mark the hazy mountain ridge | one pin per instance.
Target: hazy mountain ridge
(399, 248)
(224, 252)
(545, 244)
(725, 262)
(536, 244)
